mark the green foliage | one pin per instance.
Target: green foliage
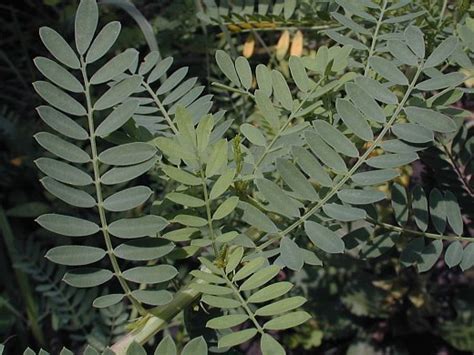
(174, 204)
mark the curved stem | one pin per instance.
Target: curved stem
(418, 233)
(160, 107)
(356, 166)
(98, 190)
(374, 38)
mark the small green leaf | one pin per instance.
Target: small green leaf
(87, 277)
(127, 199)
(287, 321)
(118, 93)
(442, 52)
(441, 82)
(376, 90)
(150, 274)
(103, 41)
(335, 138)
(453, 213)
(107, 300)
(135, 349)
(75, 255)
(360, 197)
(388, 70)
(260, 278)
(299, 74)
(222, 184)
(256, 218)
(236, 338)
(196, 346)
(244, 72)
(281, 306)
(220, 302)
(429, 255)
(267, 109)
(365, 103)
(160, 69)
(58, 75)
(127, 154)
(67, 225)
(253, 134)
(354, 120)
(213, 290)
(311, 166)
(143, 249)
(467, 257)
(234, 259)
(324, 238)
(58, 47)
(153, 297)
(117, 118)
(248, 269)
(400, 204)
(389, 161)
(414, 39)
(226, 208)
(61, 123)
(291, 254)
(58, 98)
(68, 194)
(137, 227)
(206, 276)
(172, 81)
(431, 119)
(269, 346)
(181, 176)
(271, 292)
(63, 172)
(413, 133)
(87, 17)
(454, 253)
(420, 207)
(190, 221)
(325, 153)
(296, 180)
(127, 173)
(217, 159)
(401, 51)
(278, 200)
(344, 213)
(167, 347)
(438, 210)
(228, 321)
(227, 67)
(185, 200)
(114, 67)
(264, 80)
(62, 148)
(281, 91)
(374, 177)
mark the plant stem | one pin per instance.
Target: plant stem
(418, 233)
(441, 14)
(356, 166)
(98, 190)
(208, 213)
(160, 107)
(374, 38)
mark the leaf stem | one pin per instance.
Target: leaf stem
(374, 38)
(161, 107)
(98, 190)
(208, 213)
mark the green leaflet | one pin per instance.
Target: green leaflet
(263, 77)
(58, 47)
(388, 161)
(160, 69)
(429, 255)
(190, 221)
(269, 346)
(287, 321)
(296, 180)
(401, 51)
(185, 200)
(442, 52)
(453, 213)
(267, 109)
(168, 347)
(374, 177)
(181, 176)
(123, 174)
(68, 194)
(281, 91)
(58, 98)
(260, 278)
(291, 255)
(376, 90)
(62, 148)
(454, 253)
(244, 72)
(354, 120)
(63, 172)
(87, 277)
(118, 93)
(114, 67)
(248, 269)
(87, 17)
(228, 321)
(311, 166)
(388, 70)
(349, 23)
(107, 300)
(415, 40)
(278, 200)
(172, 81)
(325, 153)
(135, 349)
(298, 72)
(365, 103)
(137, 227)
(220, 302)
(400, 204)
(150, 274)
(218, 158)
(144, 249)
(335, 138)
(127, 154)
(360, 197)
(127, 199)
(467, 257)
(271, 292)
(117, 118)
(227, 67)
(413, 133)
(431, 119)
(420, 207)
(67, 225)
(104, 40)
(344, 213)
(75, 255)
(438, 210)
(234, 259)
(237, 338)
(153, 297)
(441, 82)
(61, 123)
(253, 134)
(226, 208)
(324, 238)
(213, 290)
(281, 306)
(58, 75)
(196, 346)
